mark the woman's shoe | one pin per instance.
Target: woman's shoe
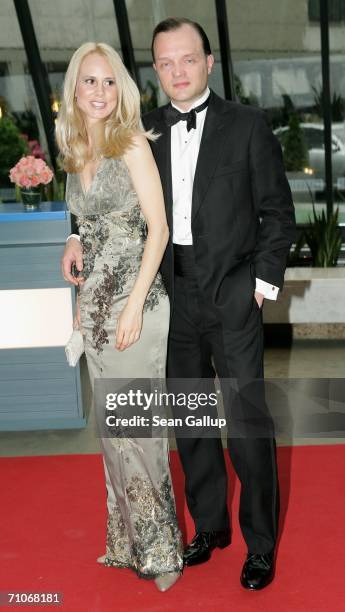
(101, 559)
(165, 582)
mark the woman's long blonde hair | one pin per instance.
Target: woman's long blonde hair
(119, 127)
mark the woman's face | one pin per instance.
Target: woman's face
(96, 92)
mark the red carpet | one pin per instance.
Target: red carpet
(53, 525)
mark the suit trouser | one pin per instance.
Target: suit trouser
(200, 347)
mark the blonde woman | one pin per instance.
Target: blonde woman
(113, 188)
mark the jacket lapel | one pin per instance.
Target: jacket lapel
(162, 150)
(216, 129)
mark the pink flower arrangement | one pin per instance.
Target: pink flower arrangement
(30, 172)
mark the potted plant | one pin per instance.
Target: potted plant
(29, 174)
(295, 150)
(12, 147)
(323, 238)
(313, 296)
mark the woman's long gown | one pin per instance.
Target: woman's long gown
(142, 530)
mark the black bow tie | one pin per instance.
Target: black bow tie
(172, 115)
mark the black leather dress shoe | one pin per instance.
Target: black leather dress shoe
(200, 548)
(258, 571)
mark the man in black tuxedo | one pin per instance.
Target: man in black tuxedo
(231, 220)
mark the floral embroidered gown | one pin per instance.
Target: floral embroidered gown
(142, 530)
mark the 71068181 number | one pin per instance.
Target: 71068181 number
(26, 598)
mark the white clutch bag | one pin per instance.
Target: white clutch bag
(74, 348)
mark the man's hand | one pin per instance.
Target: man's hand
(259, 298)
(76, 320)
(73, 254)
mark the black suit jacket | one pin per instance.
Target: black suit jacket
(243, 220)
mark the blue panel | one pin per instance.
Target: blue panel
(40, 232)
(33, 387)
(38, 390)
(37, 254)
(47, 211)
(46, 355)
(42, 423)
(31, 267)
(37, 371)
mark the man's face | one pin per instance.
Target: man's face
(182, 65)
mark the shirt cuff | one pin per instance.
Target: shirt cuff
(73, 236)
(270, 292)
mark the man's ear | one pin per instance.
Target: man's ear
(210, 62)
(154, 66)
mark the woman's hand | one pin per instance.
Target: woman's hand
(129, 325)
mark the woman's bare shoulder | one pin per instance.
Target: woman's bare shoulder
(139, 148)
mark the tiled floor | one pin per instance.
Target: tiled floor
(305, 359)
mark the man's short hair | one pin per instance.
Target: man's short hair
(174, 23)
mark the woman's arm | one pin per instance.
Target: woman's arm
(147, 184)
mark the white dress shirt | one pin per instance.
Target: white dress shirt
(184, 155)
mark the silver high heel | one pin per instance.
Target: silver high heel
(101, 559)
(165, 582)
